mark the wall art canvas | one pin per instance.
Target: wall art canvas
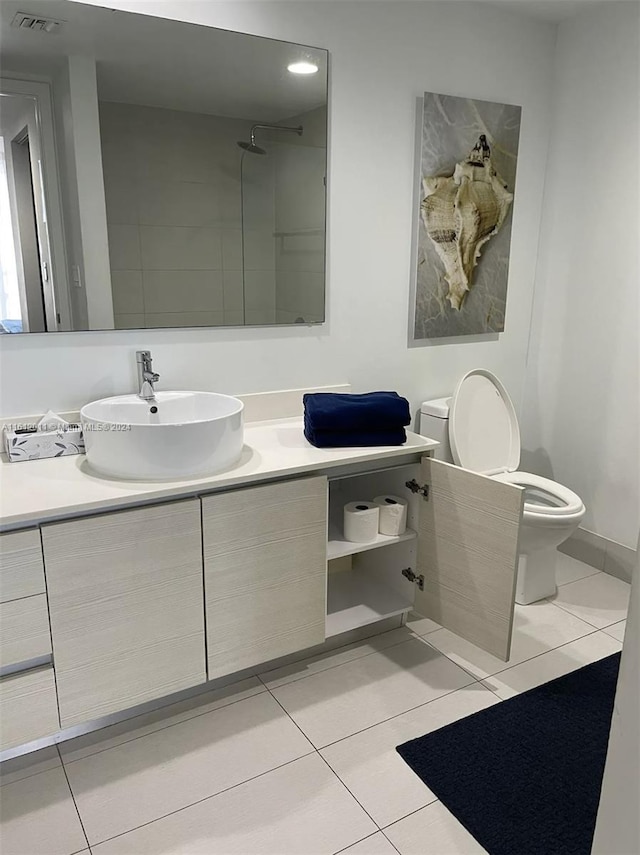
(468, 159)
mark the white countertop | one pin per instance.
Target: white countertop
(37, 490)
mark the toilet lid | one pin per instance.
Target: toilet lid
(483, 427)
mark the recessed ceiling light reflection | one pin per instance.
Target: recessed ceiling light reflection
(302, 68)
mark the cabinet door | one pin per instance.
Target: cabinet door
(29, 709)
(126, 607)
(265, 572)
(24, 631)
(21, 571)
(468, 554)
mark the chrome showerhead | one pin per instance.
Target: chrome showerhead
(251, 147)
(255, 149)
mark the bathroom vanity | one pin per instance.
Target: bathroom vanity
(116, 593)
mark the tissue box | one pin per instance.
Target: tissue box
(43, 443)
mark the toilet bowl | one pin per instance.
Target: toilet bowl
(478, 430)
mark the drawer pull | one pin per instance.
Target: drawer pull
(26, 665)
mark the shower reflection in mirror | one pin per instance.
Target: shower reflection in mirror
(142, 187)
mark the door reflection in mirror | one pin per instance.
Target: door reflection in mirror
(26, 285)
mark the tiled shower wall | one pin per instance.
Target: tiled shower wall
(175, 215)
(172, 186)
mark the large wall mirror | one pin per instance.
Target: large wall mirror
(157, 174)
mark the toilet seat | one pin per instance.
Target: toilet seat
(566, 502)
(485, 437)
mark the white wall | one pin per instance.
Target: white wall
(581, 403)
(383, 57)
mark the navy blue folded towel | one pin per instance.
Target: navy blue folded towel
(340, 421)
(350, 438)
(373, 411)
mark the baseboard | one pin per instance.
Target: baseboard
(600, 552)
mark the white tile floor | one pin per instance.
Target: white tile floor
(300, 760)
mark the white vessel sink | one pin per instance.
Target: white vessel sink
(179, 435)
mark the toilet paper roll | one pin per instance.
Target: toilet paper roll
(361, 521)
(393, 514)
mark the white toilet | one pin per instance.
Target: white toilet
(478, 430)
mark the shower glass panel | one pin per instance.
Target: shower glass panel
(283, 232)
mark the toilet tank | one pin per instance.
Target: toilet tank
(434, 423)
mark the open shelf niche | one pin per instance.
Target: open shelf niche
(365, 581)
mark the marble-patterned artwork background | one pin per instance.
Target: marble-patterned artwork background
(450, 128)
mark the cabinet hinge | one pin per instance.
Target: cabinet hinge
(423, 489)
(411, 576)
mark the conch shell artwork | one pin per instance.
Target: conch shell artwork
(463, 197)
(461, 213)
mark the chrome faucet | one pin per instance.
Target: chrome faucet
(146, 376)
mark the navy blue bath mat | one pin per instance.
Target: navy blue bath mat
(524, 776)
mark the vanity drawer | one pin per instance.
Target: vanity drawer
(24, 630)
(28, 707)
(21, 566)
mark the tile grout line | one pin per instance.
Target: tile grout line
(280, 766)
(356, 800)
(402, 818)
(151, 732)
(605, 630)
(314, 750)
(203, 799)
(474, 681)
(391, 843)
(199, 714)
(269, 690)
(411, 813)
(73, 798)
(28, 774)
(594, 629)
(495, 692)
(530, 658)
(583, 619)
(537, 656)
(333, 772)
(355, 843)
(340, 664)
(294, 722)
(392, 717)
(414, 635)
(163, 726)
(369, 727)
(580, 578)
(222, 706)
(319, 752)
